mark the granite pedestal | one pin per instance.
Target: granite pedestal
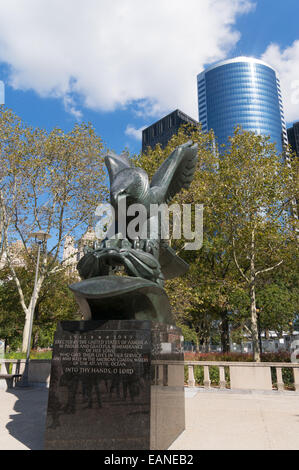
(114, 386)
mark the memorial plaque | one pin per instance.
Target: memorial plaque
(104, 388)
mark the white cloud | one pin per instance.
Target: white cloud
(113, 54)
(131, 131)
(286, 62)
(70, 107)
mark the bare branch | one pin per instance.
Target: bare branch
(22, 237)
(35, 209)
(16, 279)
(237, 264)
(247, 329)
(55, 249)
(268, 269)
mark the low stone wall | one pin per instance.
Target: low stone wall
(242, 375)
(39, 371)
(245, 375)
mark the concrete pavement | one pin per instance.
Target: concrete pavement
(214, 420)
(230, 420)
(22, 418)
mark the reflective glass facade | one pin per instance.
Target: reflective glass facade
(241, 91)
(161, 131)
(1, 92)
(293, 137)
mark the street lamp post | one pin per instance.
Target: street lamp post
(40, 237)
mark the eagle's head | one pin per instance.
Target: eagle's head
(131, 183)
(126, 181)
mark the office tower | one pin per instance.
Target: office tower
(241, 91)
(161, 131)
(293, 137)
(1, 92)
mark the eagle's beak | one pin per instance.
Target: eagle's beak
(118, 199)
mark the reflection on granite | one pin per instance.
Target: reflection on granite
(167, 389)
(111, 387)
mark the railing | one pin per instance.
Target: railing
(224, 375)
(246, 375)
(12, 366)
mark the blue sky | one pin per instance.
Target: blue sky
(124, 64)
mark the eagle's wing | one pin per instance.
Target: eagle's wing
(115, 163)
(171, 264)
(176, 172)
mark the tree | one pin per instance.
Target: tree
(278, 297)
(200, 299)
(255, 185)
(57, 179)
(55, 303)
(14, 165)
(248, 232)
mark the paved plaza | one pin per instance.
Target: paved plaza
(214, 420)
(231, 420)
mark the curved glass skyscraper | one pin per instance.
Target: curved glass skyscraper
(241, 91)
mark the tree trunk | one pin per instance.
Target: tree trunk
(206, 344)
(26, 331)
(35, 340)
(224, 333)
(32, 304)
(254, 326)
(254, 320)
(259, 331)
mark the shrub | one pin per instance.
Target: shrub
(47, 354)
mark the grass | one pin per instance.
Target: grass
(33, 355)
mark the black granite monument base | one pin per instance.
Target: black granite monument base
(114, 386)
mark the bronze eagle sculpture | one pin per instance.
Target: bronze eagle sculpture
(147, 258)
